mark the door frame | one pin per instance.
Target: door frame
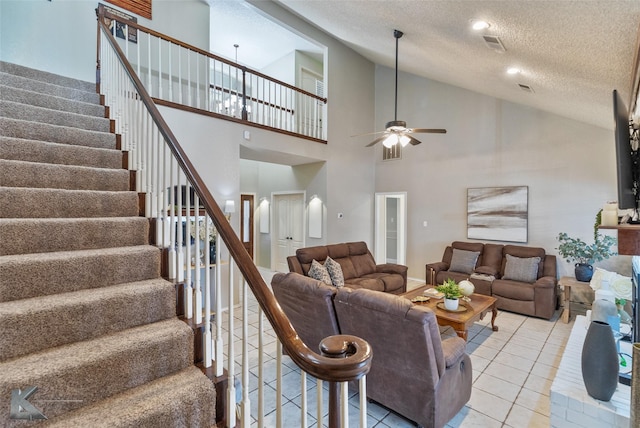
(273, 221)
(380, 224)
(253, 217)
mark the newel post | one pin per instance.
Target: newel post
(334, 347)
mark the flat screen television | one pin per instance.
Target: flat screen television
(624, 155)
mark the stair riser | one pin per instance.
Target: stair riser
(52, 203)
(94, 370)
(82, 315)
(58, 154)
(40, 175)
(13, 110)
(56, 134)
(27, 236)
(39, 76)
(27, 276)
(23, 96)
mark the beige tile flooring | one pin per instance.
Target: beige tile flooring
(513, 369)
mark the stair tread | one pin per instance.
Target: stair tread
(19, 173)
(164, 402)
(46, 77)
(94, 369)
(36, 114)
(12, 148)
(63, 318)
(27, 96)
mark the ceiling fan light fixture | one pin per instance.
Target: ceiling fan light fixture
(404, 140)
(390, 141)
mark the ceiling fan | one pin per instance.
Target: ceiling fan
(396, 131)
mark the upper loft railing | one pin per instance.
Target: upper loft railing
(178, 74)
(175, 197)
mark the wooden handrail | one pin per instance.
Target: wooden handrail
(107, 14)
(357, 363)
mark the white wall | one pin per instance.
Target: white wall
(60, 36)
(568, 166)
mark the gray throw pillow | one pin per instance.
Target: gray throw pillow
(463, 261)
(319, 272)
(335, 272)
(521, 269)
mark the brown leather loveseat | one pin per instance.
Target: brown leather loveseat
(414, 372)
(522, 279)
(358, 266)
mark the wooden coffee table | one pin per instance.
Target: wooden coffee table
(460, 321)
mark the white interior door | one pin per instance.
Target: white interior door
(391, 228)
(289, 228)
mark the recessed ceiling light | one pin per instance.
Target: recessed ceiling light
(479, 25)
(513, 70)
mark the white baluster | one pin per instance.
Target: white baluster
(279, 384)
(172, 219)
(198, 286)
(207, 295)
(188, 282)
(181, 231)
(219, 342)
(260, 416)
(363, 401)
(231, 390)
(180, 74)
(319, 404)
(170, 73)
(160, 67)
(246, 403)
(344, 404)
(303, 399)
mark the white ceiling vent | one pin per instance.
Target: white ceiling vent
(494, 43)
(525, 88)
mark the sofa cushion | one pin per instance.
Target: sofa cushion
(371, 282)
(521, 269)
(514, 290)
(362, 260)
(463, 261)
(319, 272)
(335, 272)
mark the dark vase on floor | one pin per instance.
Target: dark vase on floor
(583, 272)
(600, 361)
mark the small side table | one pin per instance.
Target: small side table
(566, 283)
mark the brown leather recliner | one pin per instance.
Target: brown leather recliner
(413, 372)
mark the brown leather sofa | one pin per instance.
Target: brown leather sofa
(413, 372)
(492, 274)
(358, 266)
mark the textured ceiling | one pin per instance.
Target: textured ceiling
(571, 53)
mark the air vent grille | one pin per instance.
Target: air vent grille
(525, 88)
(494, 43)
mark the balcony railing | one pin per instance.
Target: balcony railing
(162, 170)
(178, 74)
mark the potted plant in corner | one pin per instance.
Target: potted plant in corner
(452, 294)
(576, 250)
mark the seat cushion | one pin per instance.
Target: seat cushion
(371, 283)
(514, 290)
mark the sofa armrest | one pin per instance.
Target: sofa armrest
(454, 349)
(294, 265)
(434, 268)
(545, 282)
(392, 268)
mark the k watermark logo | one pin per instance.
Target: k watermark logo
(21, 408)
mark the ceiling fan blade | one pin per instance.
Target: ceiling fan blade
(413, 141)
(427, 131)
(368, 133)
(376, 141)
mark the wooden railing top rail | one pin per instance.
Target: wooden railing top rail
(109, 15)
(358, 360)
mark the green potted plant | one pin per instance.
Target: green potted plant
(451, 292)
(583, 254)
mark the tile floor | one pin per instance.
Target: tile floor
(513, 369)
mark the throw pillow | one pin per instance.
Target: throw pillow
(335, 272)
(521, 269)
(463, 261)
(319, 272)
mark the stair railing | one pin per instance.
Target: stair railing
(181, 207)
(179, 74)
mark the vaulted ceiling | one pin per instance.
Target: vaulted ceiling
(571, 54)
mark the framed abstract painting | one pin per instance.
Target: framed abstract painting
(498, 213)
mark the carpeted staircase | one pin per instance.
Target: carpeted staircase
(84, 314)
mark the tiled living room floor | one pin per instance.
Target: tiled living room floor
(513, 369)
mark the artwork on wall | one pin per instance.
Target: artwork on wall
(498, 213)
